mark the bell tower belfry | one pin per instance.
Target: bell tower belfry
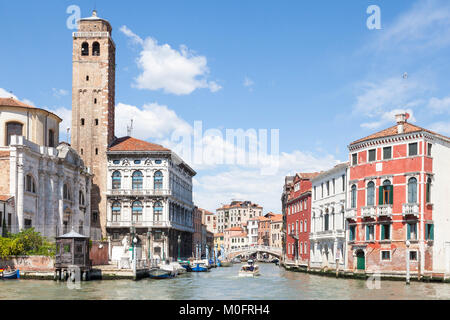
(93, 101)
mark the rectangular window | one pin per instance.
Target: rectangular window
(385, 232)
(370, 233)
(385, 255)
(387, 153)
(343, 182)
(28, 224)
(412, 231)
(413, 255)
(354, 159)
(429, 231)
(429, 149)
(352, 231)
(372, 155)
(412, 147)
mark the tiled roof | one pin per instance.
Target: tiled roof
(220, 234)
(308, 175)
(277, 218)
(10, 102)
(133, 144)
(234, 229)
(393, 131)
(4, 197)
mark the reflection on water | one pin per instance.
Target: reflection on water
(224, 283)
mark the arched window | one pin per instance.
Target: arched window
(51, 138)
(96, 49)
(13, 129)
(305, 227)
(137, 211)
(353, 197)
(158, 180)
(116, 208)
(157, 211)
(386, 193)
(412, 190)
(30, 186)
(371, 194)
(327, 222)
(137, 180)
(428, 193)
(85, 49)
(81, 199)
(66, 192)
(116, 180)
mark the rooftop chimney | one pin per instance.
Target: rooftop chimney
(401, 120)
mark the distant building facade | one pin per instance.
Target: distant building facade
(327, 234)
(236, 214)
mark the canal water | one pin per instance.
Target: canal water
(223, 283)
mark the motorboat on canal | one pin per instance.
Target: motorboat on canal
(9, 275)
(236, 260)
(160, 274)
(225, 263)
(174, 267)
(186, 264)
(199, 266)
(249, 270)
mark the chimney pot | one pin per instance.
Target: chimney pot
(401, 120)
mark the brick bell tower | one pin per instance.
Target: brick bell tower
(93, 100)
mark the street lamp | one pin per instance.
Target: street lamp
(149, 234)
(408, 243)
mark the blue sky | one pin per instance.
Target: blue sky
(311, 69)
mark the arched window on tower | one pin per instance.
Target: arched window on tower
(13, 129)
(51, 138)
(116, 180)
(85, 49)
(66, 192)
(30, 184)
(81, 199)
(96, 49)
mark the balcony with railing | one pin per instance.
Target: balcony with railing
(350, 213)
(384, 210)
(368, 212)
(149, 224)
(139, 192)
(411, 209)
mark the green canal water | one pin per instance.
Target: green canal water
(224, 283)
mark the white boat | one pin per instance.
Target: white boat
(249, 270)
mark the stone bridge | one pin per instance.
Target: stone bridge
(249, 250)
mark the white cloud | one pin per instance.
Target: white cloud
(425, 26)
(442, 127)
(7, 94)
(439, 105)
(174, 71)
(59, 92)
(248, 83)
(388, 118)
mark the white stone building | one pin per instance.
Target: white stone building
(149, 188)
(48, 181)
(252, 231)
(327, 236)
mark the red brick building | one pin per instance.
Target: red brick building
(298, 218)
(396, 196)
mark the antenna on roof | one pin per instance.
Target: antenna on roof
(130, 129)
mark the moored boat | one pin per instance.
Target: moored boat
(15, 274)
(249, 270)
(225, 264)
(199, 267)
(160, 274)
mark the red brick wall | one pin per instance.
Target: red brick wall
(26, 263)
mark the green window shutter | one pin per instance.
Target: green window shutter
(432, 232)
(367, 233)
(382, 232)
(380, 196)
(409, 231)
(391, 194)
